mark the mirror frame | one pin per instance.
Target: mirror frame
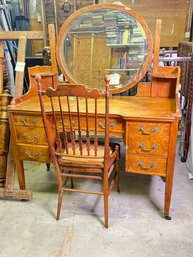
(64, 30)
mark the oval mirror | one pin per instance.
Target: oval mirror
(104, 39)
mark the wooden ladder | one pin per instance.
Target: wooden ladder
(8, 192)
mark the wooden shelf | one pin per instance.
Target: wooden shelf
(117, 45)
(44, 74)
(164, 75)
(126, 45)
(131, 69)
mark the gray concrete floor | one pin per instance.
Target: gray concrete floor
(136, 226)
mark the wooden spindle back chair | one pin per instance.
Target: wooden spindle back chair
(70, 115)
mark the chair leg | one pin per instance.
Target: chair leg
(72, 182)
(60, 196)
(48, 166)
(106, 203)
(106, 199)
(117, 176)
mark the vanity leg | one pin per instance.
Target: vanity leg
(9, 192)
(170, 167)
(168, 193)
(20, 173)
(48, 166)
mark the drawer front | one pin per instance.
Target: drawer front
(148, 129)
(115, 125)
(33, 153)
(28, 121)
(144, 145)
(30, 135)
(143, 164)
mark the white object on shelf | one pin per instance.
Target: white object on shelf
(114, 78)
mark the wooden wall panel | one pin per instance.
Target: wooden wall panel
(61, 15)
(86, 68)
(173, 14)
(36, 45)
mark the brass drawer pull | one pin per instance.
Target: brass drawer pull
(33, 123)
(26, 137)
(141, 165)
(34, 156)
(73, 121)
(102, 124)
(142, 129)
(141, 145)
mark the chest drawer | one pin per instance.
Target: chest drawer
(151, 145)
(148, 129)
(31, 135)
(33, 153)
(144, 164)
(28, 121)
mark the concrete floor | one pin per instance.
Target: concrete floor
(136, 228)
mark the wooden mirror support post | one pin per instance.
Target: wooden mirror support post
(7, 163)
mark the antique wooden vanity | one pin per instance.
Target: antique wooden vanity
(95, 41)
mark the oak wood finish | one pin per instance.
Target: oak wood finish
(140, 121)
(146, 112)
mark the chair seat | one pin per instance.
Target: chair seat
(86, 160)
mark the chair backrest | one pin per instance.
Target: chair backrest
(71, 115)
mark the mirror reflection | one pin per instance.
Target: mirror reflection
(104, 41)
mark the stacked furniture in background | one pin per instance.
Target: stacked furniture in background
(186, 80)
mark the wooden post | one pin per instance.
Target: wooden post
(1, 66)
(55, 17)
(157, 45)
(5, 99)
(20, 66)
(44, 27)
(156, 56)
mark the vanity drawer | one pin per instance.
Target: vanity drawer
(28, 121)
(33, 153)
(115, 125)
(143, 164)
(30, 135)
(150, 145)
(148, 129)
